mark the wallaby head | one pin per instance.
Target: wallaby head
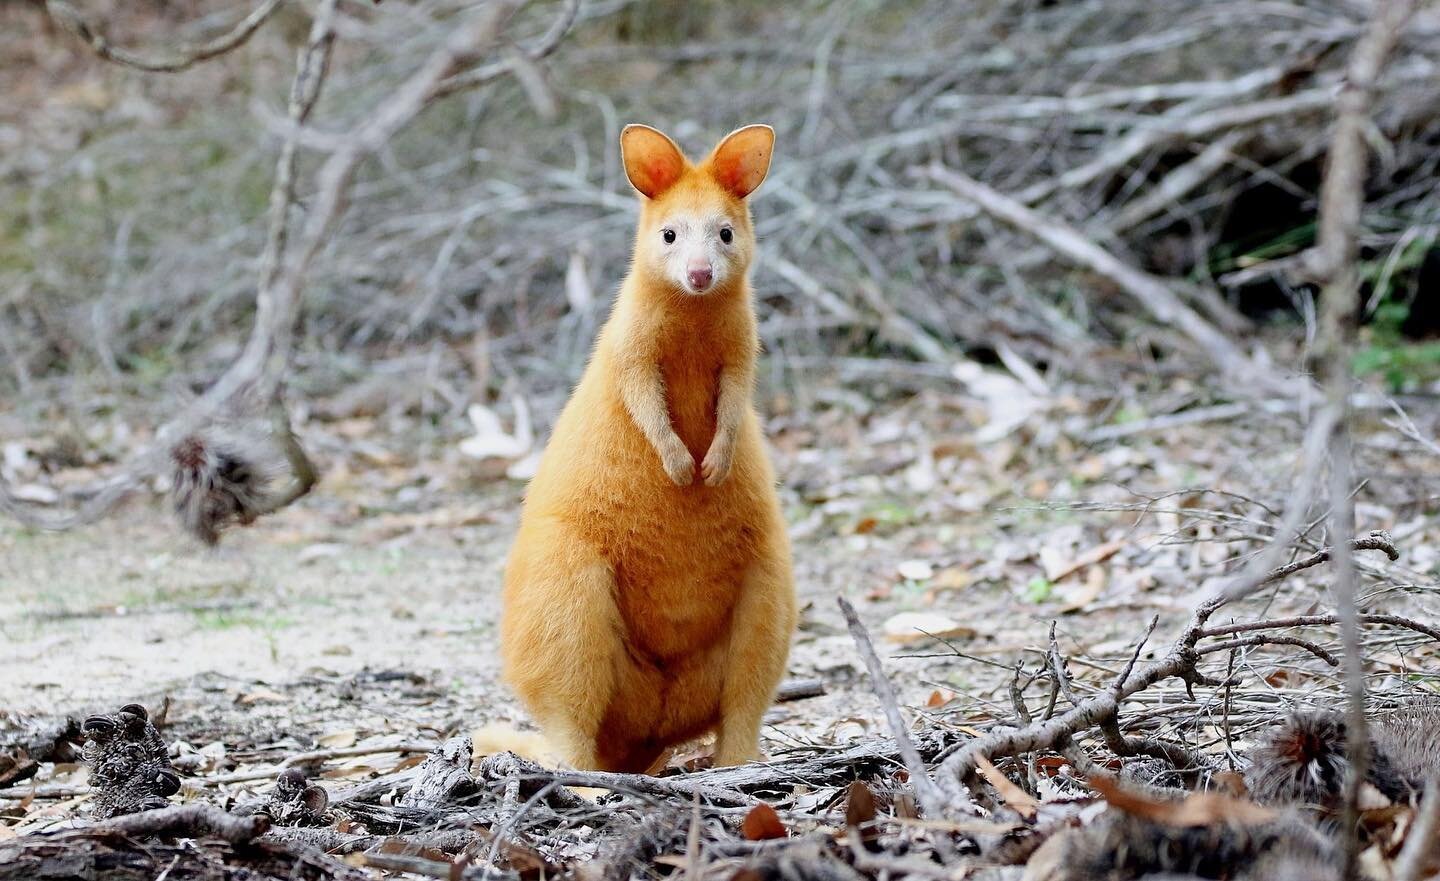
(695, 236)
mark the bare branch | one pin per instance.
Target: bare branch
(181, 59)
(1377, 540)
(547, 43)
(1150, 292)
(1305, 644)
(930, 797)
(1342, 197)
(1322, 620)
(191, 820)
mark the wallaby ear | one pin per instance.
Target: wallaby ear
(652, 161)
(742, 159)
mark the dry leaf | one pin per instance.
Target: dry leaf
(939, 698)
(915, 626)
(915, 570)
(409, 762)
(951, 578)
(530, 863)
(339, 739)
(1094, 584)
(860, 811)
(905, 807)
(1020, 801)
(491, 440)
(1056, 570)
(1197, 809)
(762, 823)
(259, 695)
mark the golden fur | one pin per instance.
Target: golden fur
(648, 600)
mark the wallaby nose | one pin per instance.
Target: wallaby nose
(700, 275)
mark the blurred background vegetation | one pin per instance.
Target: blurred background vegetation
(480, 248)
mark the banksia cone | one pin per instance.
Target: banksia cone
(219, 481)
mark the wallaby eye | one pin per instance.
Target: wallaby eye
(726, 235)
(668, 235)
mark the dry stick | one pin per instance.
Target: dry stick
(931, 798)
(1135, 655)
(547, 44)
(1342, 197)
(1149, 291)
(683, 786)
(1054, 733)
(1175, 185)
(1178, 756)
(1056, 663)
(191, 821)
(340, 843)
(1129, 148)
(1166, 422)
(1320, 621)
(310, 71)
(1376, 540)
(70, 18)
(310, 758)
(1305, 644)
(799, 690)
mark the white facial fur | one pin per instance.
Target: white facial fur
(699, 244)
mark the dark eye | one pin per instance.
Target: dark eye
(726, 235)
(668, 235)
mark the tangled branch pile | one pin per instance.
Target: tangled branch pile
(1186, 144)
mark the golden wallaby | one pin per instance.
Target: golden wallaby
(647, 601)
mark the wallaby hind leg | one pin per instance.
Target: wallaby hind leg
(760, 631)
(560, 638)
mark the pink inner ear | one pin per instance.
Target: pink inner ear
(739, 170)
(731, 174)
(662, 172)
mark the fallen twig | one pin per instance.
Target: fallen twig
(191, 821)
(930, 797)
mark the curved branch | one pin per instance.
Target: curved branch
(69, 17)
(547, 44)
(1248, 641)
(1322, 620)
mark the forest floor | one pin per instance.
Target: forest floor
(369, 610)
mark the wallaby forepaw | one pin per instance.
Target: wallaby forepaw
(679, 466)
(716, 466)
